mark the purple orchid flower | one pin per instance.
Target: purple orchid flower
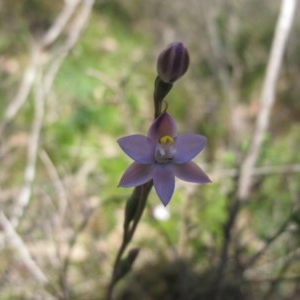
(161, 156)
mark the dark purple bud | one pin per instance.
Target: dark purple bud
(173, 62)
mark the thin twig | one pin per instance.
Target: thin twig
(43, 79)
(266, 102)
(267, 97)
(259, 171)
(36, 49)
(30, 168)
(60, 22)
(24, 89)
(42, 90)
(16, 241)
(56, 181)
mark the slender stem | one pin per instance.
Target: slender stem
(161, 89)
(129, 231)
(145, 189)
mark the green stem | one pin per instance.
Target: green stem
(143, 192)
(160, 91)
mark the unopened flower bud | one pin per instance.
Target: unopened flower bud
(173, 62)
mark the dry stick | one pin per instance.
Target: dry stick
(259, 171)
(267, 99)
(25, 191)
(30, 168)
(23, 92)
(74, 32)
(57, 183)
(16, 241)
(60, 23)
(29, 75)
(62, 200)
(24, 88)
(42, 91)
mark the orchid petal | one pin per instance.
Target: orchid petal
(190, 172)
(187, 147)
(138, 147)
(164, 182)
(136, 174)
(163, 125)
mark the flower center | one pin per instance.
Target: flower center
(166, 140)
(165, 149)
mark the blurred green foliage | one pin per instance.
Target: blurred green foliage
(104, 90)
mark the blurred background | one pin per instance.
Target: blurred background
(78, 74)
